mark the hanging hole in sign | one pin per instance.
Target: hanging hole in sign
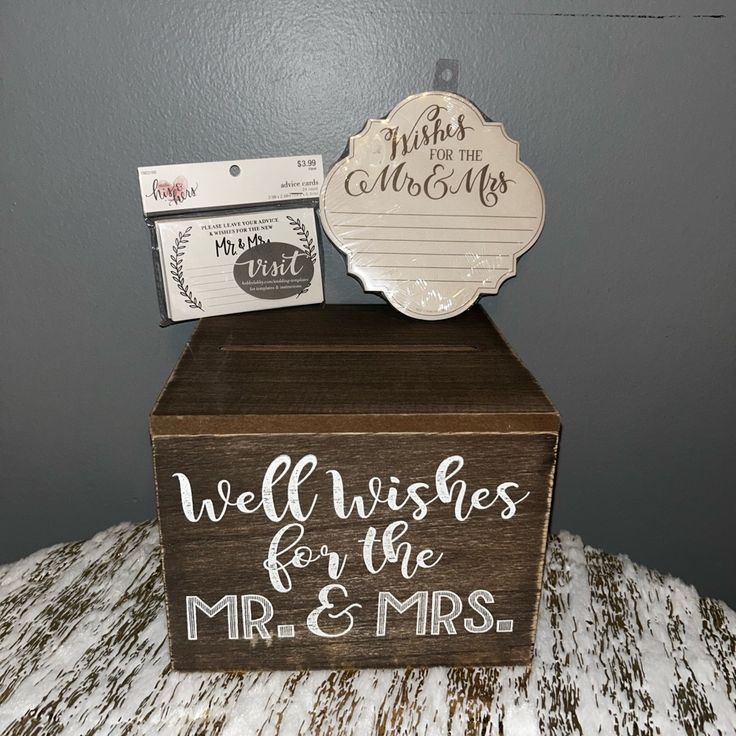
(235, 170)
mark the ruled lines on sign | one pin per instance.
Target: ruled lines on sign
(397, 247)
(417, 282)
(469, 260)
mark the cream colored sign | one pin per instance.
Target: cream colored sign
(432, 206)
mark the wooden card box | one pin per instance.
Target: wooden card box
(342, 486)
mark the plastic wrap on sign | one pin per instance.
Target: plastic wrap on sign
(432, 206)
(234, 236)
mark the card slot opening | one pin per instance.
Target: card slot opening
(373, 348)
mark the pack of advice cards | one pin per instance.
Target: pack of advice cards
(234, 237)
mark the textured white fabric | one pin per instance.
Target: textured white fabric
(620, 650)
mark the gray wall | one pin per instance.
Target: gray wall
(625, 309)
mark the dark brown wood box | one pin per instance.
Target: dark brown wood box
(369, 401)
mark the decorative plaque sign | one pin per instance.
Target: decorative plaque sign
(432, 206)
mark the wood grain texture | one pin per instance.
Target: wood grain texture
(620, 650)
(484, 552)
(218, 424)
(370, 393)
(439, 371)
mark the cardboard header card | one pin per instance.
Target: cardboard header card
(177, 188)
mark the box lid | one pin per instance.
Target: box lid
(349, 368)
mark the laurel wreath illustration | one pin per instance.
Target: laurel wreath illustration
(177, 265)
(307, 242)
